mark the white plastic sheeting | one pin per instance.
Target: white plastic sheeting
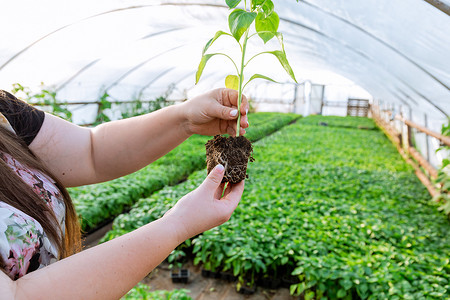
(399, 51)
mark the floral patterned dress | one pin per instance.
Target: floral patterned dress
(24, 246)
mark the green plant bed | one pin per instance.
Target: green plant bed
(143, 292)
(305, 143)
(346, 226)
(343, 122)
(100, 203)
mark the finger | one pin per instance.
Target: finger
(244, 106)
(244, 121)
(223, 112)
(223, 126)
(231, 131)
(219, 191)
(213, 180)
(235, 195)
(229, 97)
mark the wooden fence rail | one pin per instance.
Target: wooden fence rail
(407, 150)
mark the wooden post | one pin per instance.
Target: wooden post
(426, 137)
(442, 138)
(393, 135)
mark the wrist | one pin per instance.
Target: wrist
(181, 111)
(177, 227)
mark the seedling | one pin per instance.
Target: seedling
(261, 13)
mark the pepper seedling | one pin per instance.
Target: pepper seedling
(261, 13)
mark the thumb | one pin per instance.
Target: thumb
(224, 112)
(214, 179)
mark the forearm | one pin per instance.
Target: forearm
(125, 146)
(106, 271)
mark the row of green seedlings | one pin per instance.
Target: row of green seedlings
(142, 292)
(356, 227)
(443, 179)
(98, 204)
(342, 122)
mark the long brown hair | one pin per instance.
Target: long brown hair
(15, 192)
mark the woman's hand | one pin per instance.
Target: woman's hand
(215, 113)
(205, 208)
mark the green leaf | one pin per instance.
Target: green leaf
(216, 36)
(232, 82)
(256, 76)
(232, 3)
(293, 288)
(239, 21)
(267, 26)
(256, 3)
(341, 293)
(346, 283)
(268, 7)
(202, 65)
(281, 55)
(279, 36)
(309, 295)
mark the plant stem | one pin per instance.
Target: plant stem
(241, 80)
(224, 188)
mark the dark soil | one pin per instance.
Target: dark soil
(233, 153)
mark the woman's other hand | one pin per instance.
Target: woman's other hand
(215, 112)
(205, 208)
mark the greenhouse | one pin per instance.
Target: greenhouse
(347, 186)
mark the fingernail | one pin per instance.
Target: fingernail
(233, 113)
(246, 111)
(220, 168)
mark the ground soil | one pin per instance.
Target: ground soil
(202, 288)
(233, 153)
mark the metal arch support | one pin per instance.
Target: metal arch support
(160, 75)
(381, 41)
(101, 14)
(433, 2)
(440, 5)
(364, 56)
(134, 68)
(126, 73)
(141, 91)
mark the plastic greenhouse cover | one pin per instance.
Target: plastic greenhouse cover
(396, 50)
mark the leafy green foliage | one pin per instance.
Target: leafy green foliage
(240, 20)
(336, 206)
(232, 82)
(267, 25)
(47, 98)
(212, 40)
(443, 179)
(281, 56)
(232, 3)
(142, 292)
(103, 104)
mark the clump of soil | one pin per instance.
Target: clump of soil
(233, 153)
